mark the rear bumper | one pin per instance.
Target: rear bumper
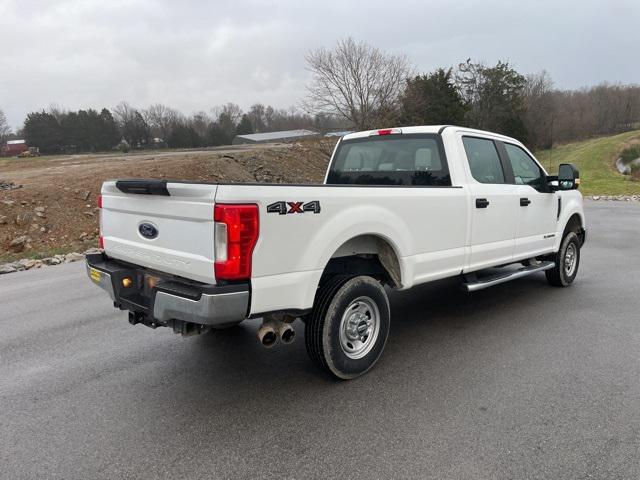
(168, 299)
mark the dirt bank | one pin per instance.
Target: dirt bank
(51, 205)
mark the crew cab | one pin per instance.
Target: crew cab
(399, 207)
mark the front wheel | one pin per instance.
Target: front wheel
(567, 262)
(348, 326)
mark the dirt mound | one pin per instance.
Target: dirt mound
(55, 211)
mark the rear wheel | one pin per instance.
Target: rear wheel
(567, 262)
(348, 326)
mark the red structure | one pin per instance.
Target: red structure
(13, 147)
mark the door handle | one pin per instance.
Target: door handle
(482, 203)
(524, 202)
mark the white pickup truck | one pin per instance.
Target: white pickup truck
(399, 207)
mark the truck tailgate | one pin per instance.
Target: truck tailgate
(171, 233)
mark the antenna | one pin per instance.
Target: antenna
(551, 142)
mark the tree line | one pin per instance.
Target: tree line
(57, 130)
(356, 86)
(369, 88)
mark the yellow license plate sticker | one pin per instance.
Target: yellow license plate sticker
(95, 275)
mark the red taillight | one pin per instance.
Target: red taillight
(242, 229)
(386, 131)
(99, 201)
(101, 242)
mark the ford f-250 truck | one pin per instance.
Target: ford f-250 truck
(399, 207)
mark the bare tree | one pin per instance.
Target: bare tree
(58, 111)
(200, 122)
(356, 81)
(231, 110)
(124, 113)
(599, 110)
(286, 119)
(5, 130)
(161, 120)
(539, 115)
(258, 117)
(133, 127)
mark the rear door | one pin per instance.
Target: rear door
(538, 207)
(494, 210)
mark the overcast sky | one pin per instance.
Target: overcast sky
(193, 55)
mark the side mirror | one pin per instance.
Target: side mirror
(568, 177)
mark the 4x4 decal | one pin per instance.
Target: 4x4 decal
(283, 208)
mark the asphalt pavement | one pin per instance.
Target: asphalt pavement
(518, 381)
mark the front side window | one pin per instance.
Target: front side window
(525, 170)
(483, 159)
(403, 159)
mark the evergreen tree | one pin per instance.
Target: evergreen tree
(495, 97)
(70, 126)
(195, 139)
(41, 129)
(215, 135)
(432, 99)
(139, 132)
(180, 137)
(227, 128)
(109, 135)
(245, 127)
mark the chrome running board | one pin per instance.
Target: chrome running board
(472, 283)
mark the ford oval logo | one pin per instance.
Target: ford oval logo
(148, 230)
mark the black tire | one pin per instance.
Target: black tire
(562, 275)
(328, 340)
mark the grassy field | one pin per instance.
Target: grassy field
(595, 159)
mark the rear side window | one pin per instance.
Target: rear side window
(525, 170)
(483, 159)
(391, 160)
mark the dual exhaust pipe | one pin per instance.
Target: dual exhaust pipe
(273, 329)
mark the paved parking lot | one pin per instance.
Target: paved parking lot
(518, 381)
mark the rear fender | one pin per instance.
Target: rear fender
(297, 290)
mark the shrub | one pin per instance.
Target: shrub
(630, 153)
(123, 146)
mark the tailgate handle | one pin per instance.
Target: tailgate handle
(143, 187)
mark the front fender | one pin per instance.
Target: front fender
(572, 204)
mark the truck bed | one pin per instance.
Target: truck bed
(293, 247)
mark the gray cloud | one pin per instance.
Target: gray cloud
(193, 55)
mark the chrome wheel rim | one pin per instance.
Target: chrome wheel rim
(570, 259)
(359, 327)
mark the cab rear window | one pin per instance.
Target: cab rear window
(416, 159)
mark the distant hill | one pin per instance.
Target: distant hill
(595, 158)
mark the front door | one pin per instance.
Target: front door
(538, 208)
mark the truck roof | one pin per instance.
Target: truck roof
(428, 129)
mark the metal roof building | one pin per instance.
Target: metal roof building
(284, 136)
(338, 134)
